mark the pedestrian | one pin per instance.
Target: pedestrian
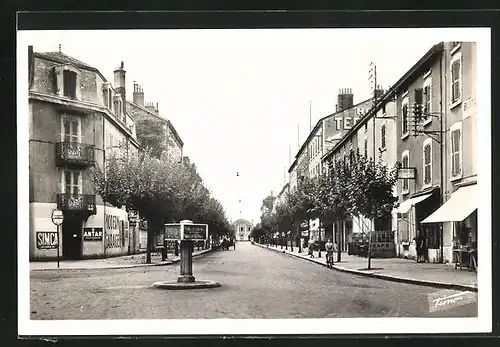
(417, 247)
(311, 247)
(329, 247)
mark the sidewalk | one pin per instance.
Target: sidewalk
(395, 269)
(122, 262)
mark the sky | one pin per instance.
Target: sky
(239, 99)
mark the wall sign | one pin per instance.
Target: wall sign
(92, 234)
(46, 240)
(114, 233)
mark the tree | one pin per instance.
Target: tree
(159, 189)
(370, 186)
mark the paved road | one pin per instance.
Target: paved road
(256, 283)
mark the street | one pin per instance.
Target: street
(256, 283)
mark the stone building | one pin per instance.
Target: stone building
(140, 111)
(327, 132)
(76, 118)
(242, 229)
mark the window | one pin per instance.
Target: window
(69, 84)
(427, 162)
(427, 98)
(72, 183)
(405, 162)
(456, 150)
(70, 129)
(383, 109)
(241, 229)
(456, 79)
(404, 116)
(366, 126)
(366, 148)
(382, 136)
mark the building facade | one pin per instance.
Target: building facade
(242, 228)
(141, 111)
(76, 118)
(457, 217)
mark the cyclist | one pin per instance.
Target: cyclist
(329, 252)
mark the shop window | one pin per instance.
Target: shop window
(433, 237)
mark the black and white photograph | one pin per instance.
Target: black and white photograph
(254, 181)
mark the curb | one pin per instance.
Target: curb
(169, 262)
(462, 287)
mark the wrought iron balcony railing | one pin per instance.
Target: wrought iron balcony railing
(74, 153)
(76, 203)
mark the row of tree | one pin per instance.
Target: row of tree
(161, 190)
(349, 188)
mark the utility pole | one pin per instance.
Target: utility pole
(372, 78)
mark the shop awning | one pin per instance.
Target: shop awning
(461, 204)
(405, 206)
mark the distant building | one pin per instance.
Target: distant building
(242, 229)
(76, 118)
(139, 111)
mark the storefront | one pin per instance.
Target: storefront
(411, 212)
(101, 235)
(459, 216)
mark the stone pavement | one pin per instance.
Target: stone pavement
(396, 269)
(127, 261)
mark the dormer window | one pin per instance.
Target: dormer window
(69, 78)
(67, 81)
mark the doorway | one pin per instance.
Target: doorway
(72, 238)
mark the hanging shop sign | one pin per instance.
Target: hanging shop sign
(92, 234)
(47, 240)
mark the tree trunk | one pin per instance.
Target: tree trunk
(339, 240)
(150, 240)
(370, 246)
(319, 238)
(299, 233)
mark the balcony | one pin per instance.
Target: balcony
(74, 153)
(80, 203)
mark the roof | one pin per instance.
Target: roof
(169, 123)
(437, 48)
(62, 58)
(304, 144)
(241, 220)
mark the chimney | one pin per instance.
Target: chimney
(151, 107)
(344, 99)
(138, 95)
(120, 84)
(31, 66)
(379, 92)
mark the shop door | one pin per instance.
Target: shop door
(72, 238)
